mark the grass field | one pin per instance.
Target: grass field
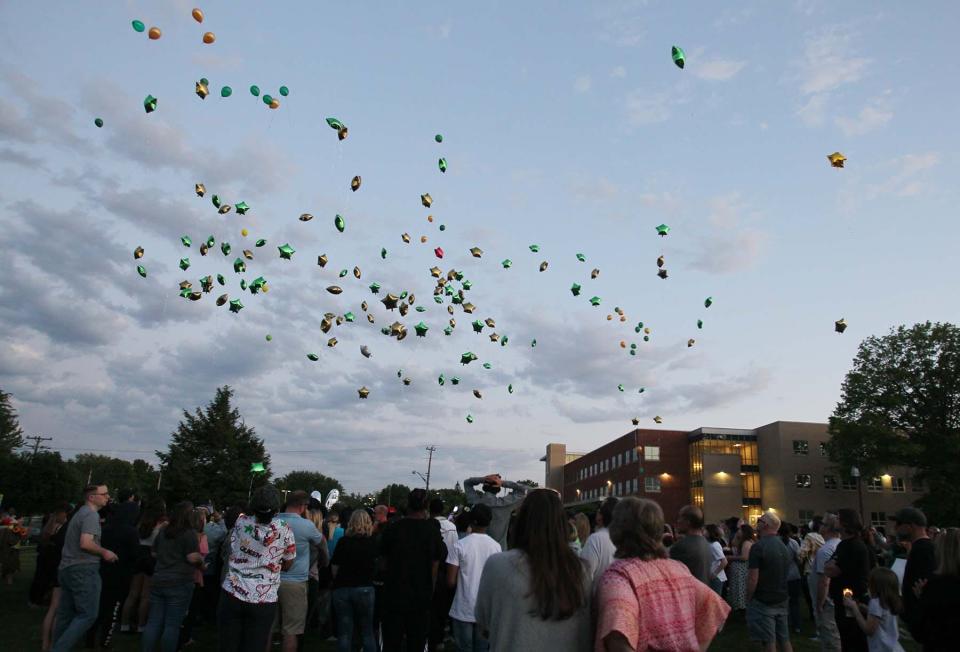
(22, 624)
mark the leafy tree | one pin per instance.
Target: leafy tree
(451, 497)
(900, 405)
(117, 474)
(210, 454)
(394, 495)
(35, 484)
(11, 436)
(529, 483)
(308, 481)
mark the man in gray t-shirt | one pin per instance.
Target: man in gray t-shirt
(501, 506)
(767, 596)
(79, 572)
(693, 549)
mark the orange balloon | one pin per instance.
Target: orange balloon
(197, 15)
(209, 38)
(430, 218)
(623, 344)
(154, 33)
(274, 103)
(423, 238)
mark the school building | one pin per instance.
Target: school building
(781, 466)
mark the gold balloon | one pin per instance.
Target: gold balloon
(154, 33)
(423, 239)
(430, 218)
(209, 38)
(244, 232)
(197, 15)
(274, 103)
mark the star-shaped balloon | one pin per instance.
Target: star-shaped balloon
(595, 301)
(184, 263)
(477, 326)
(241, 207)
(662, 273)
(286, 251)
(581, 258)
(663, 230)
(657, 419)
(200, 189)
(186, 241)
(836, 159)
(421, 329)
(840, 325)
(150, 104)
(390, 301)
(442, 164)
(708, 302)
(476, 252)
(507, 263)
(313, 357)
(468, 357)
(679, 57)
(375, 288)
(236, 305)
(426, 200)
(355, 183)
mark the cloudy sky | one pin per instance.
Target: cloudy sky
(565, 125)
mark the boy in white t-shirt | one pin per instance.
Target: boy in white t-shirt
(465, 562)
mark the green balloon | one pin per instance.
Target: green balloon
(98, 122)
(443, 227)
(266, 99)
(138, 26)
(255, 90)
(438, 137)
(269, 337)
(339, 222)
(226, 91)
(204, 81)
(284, 91)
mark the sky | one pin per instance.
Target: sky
(565, 125)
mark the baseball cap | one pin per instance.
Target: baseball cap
(910, 516)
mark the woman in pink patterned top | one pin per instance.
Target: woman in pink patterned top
(646, 601)
(259, 549)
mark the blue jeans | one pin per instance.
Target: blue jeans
(168, 608)
(354, 604)
(79, 604)
(468, 637)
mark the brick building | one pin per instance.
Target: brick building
(728, 472)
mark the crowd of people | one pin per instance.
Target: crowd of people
(513, 570)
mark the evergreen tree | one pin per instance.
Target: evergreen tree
(11, 436)
(394, 495)
(35, 484)
(210, 454)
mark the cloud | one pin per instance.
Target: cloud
(730, 244)
(582, 84)
(827, 64)
(718, 69)
(623, 23)
(874, 115)
(22, 159)
(828, 61)
(619, 72)
(647, 109)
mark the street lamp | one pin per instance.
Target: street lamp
(422, 477)
(855, 473)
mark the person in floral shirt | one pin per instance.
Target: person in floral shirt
(260, 548)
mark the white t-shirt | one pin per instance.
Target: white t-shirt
(886, 638)
(717, 556)
(448, 532)
(824, 554)
(598, 553)
(469, 554)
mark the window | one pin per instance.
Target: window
(849, 484)
(874, 484)
(803, 480)
(916, 484)
(897, 485)
(878, 519)
(829, 482)
(619, 488)
(823, 449)
(651, 484)
(806, 515)
(652, 454)
(801, 447)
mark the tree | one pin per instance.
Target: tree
(451, 497)
(900, 405)
(117, 474)
(11, 436)
(309, 481)
(35, 484)
(529, 483)
(394, 495)
(210, 454)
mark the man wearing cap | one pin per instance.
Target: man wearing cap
(912, 526)
(501, 506)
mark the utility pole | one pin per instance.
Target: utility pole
(431, 449)
(37, 440)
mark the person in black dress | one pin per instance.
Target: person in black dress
(848, 571)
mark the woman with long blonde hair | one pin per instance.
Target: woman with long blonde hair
(353, 566)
